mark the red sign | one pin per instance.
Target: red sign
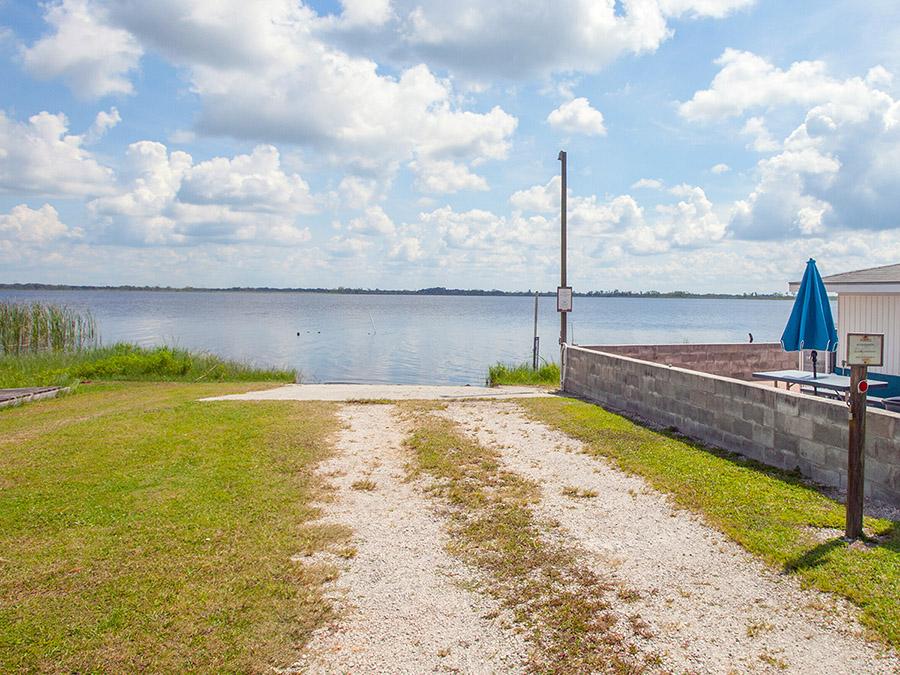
(863, 386)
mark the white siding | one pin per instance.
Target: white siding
(871, 314)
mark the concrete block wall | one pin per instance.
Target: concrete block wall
(739, 360)
(774, 426)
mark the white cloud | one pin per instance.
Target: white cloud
(253, 182)
(24, 225)
(365, 12)
(692, 221)
(263, 73)
(838, 170)
(566, 36)
(445, 177)
(538, 198)
(348, 247)
(716, 9)
(357, 192)
(170, 200)
(373, 222)
(747, 81)
(103, 122)
(93, 57)
(578, 117)
(43, 158)
(647, 184)
(720, 168)
(761, 138)
(408, 249)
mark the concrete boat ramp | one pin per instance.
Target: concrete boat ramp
(20, 395)
(389, 392)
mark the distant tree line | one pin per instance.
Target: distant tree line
(435, 290)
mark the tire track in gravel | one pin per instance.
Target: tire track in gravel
(710, 605)
(401, 599)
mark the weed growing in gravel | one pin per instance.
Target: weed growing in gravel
(365, 485)
(578, 493)
(494, 528)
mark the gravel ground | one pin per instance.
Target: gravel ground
(711, 606)
(402, 598)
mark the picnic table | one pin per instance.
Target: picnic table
(832, 381)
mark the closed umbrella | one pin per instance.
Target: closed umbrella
(811, 325)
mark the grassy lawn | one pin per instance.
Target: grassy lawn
(142, 530)
(128, 362)
(769, 512)
(545, 376)
(561, 604)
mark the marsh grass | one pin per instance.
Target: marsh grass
(503, 374)
(27, 328)
(129, 362)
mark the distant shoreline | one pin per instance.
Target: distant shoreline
(438, 290)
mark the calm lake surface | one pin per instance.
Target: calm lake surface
(399, 338)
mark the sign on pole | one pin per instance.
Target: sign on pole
(564, 299)
(865, 349)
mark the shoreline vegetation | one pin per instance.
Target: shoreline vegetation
(53, 345)
(501, 374)
(436, 290)
(127, 362)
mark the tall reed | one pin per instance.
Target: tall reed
(40, 327)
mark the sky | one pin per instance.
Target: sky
(713, 145)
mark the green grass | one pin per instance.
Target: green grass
(545, 376)
(128, 362)
(141, 530)
(769, 512)
(561, 604)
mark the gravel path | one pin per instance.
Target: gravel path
(402, 597)
(711, 606)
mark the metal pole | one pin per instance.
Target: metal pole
(562, 240)
(535, 349)
(856, 454)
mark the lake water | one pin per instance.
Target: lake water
(403, 339)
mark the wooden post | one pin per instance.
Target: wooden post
(856, 454)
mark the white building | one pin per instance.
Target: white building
(869, 302)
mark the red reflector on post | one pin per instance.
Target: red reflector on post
(863, 386)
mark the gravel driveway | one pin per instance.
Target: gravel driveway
(409, 606)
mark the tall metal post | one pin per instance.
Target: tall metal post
(856, 455)
(562, 239)
(535, 345)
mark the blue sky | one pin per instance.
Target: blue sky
(714, 145)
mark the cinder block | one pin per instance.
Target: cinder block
(825, 476)
(785, 442)
(787, 405)
(880, 424)
(828, 433)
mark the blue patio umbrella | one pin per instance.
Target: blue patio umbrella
(811, 325)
